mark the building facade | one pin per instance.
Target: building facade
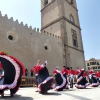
(93, 63)
(59, 42)
(60, 17)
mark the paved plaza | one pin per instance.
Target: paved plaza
(71, 94)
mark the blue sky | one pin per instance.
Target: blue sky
(28, 11)
(89, 15)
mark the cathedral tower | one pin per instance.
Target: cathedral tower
(60, 17)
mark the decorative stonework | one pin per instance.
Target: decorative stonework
(12, 36)
(47, 47)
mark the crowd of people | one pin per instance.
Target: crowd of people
(63, 79)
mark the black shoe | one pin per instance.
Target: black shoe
(36, 91)
(2, 95)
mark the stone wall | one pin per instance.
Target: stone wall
(28, 45)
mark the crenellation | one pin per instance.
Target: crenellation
(30, 27)
(58, 37)
(5, 16)
(16, 21)
(44, 32)
(37, 29)
(11, 19)
(55, 36)
(0, 13)
(34, 29)
(21, 24)
(28, 44)
(50, 35)
(26, 25)
(47, 34)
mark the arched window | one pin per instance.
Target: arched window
(71, 18)
(72, 1)
(74, 38)
(45, 2)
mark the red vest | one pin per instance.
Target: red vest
(37, 68)
(90, 71)
(0, 65)
(71, 72)
(77, 72)
(64, 71)
(85, 74)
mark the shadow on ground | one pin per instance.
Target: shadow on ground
(52, 93)
(77, 97)
(16, 97)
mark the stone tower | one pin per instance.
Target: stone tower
(60, 17)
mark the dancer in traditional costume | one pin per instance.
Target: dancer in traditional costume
(35, 69)
(65, 74)
(98, 76)
(90, 71)
(93, 79)
(44, 79)
(1, 70)
(13, 70)
(60, 81)
(71, 74)
(82, 83)
(77, 71)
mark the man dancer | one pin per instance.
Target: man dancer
(36, 70)
(77, 71)
(71, 77)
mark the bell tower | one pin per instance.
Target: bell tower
(60, 17)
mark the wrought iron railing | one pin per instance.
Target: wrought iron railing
(28, 81)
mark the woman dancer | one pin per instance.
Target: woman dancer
(59, 79)
(44, 79)
(82, 83)
(13, 70)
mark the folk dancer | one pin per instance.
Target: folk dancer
(71, 74)
(93, 79)
(60, 81)
(65, 74)
(44, 79)
(13, 71)
(82, 83)
(35, 69)
(98, 76)
(77, 71)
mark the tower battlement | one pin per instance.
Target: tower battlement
(31, 30)
(58, 41)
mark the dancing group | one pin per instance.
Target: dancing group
(13, 70)
(63, 78)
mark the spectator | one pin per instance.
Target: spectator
(26, 72)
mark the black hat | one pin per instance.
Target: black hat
(64, 66)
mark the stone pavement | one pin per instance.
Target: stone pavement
(71, 94)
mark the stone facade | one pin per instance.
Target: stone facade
(60, 23)
(28, 45)
(93, 64)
